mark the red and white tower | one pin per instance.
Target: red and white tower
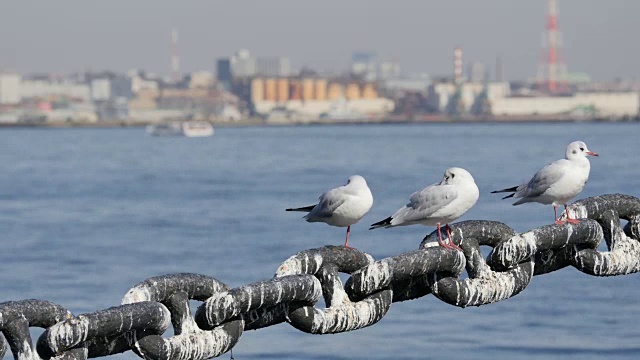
(175, 60)
(552, 70)
(457, 65)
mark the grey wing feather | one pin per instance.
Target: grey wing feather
(427, 201)
(328, 203)
(543, 179)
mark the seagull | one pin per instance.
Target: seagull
(557, 182)
(439, 203)
(341, 206)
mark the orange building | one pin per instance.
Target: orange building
(270, 89)
(320, 89)
(283, 90)
(308, 89)
(369, 91)
(257, 89)
(295, 89)
(352, 91)
(335, 91)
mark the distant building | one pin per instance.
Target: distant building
(272, 66)
(34, 87)
(364, 65)
(592, 104)
(224, 75)
(477, 72)
(242, 64)
(446, 97)
(309, 97)
(200, 79)
(10, 88)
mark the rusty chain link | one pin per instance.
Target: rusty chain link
(290, 296)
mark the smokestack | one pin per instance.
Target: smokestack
(457, 65)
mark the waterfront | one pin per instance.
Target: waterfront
(85, 214)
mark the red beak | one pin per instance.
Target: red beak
(592, 153)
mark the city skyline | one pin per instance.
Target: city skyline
(420, 35)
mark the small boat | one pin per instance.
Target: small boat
(196, 128)
(172, 128)
(191, 128)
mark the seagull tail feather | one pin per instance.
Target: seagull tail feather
(384, 223)
(304, 209)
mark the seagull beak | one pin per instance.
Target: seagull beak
(592, 153)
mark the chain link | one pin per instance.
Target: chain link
(292, 294)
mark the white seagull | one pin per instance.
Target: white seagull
(558, 182)
(440, 203)
(341, 206)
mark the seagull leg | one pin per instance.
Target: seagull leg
(569, 219)
(440, 238)
(555, 211)
(346, 241)
(442, 243)
(451, 244)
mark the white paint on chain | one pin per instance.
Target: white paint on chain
(68, 333)
(222, 300)
(137, 294)
(375, 276)
(296, 265)
(28, 354)
(261, 294)
(492, 288)
(197, 345)
(346, 317)
(623, 259)
(517, 248)
(576, 212)
(189, 324)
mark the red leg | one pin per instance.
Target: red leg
(569, 219)
(440, 238)
(451, 244)
(346, 241)
(555, 212)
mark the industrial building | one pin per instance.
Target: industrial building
(313, 97)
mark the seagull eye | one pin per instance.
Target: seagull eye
(453, 175)
(581, 149)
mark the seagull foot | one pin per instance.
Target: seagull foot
(560, 222)
(573, 221)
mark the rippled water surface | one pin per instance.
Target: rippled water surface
(85, 214)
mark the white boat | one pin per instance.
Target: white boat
(195, 128)
(192, 128)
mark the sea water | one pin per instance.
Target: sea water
(85, 214)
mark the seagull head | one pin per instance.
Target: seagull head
(578, 149)
(456, 175)
(356, 180)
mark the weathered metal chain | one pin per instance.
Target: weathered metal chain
(149, 307)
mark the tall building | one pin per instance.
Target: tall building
(223, 72)
(243, 64)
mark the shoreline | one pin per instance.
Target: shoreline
(392, 119)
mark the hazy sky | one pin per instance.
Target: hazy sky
(600, 37)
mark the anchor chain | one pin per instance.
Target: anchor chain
(292, 295)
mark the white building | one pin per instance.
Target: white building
(444, 97)
(43, 87)
(10, 88)
(242, 64)
(100, 89)
(606, 104)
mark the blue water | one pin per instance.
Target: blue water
(85, 214)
